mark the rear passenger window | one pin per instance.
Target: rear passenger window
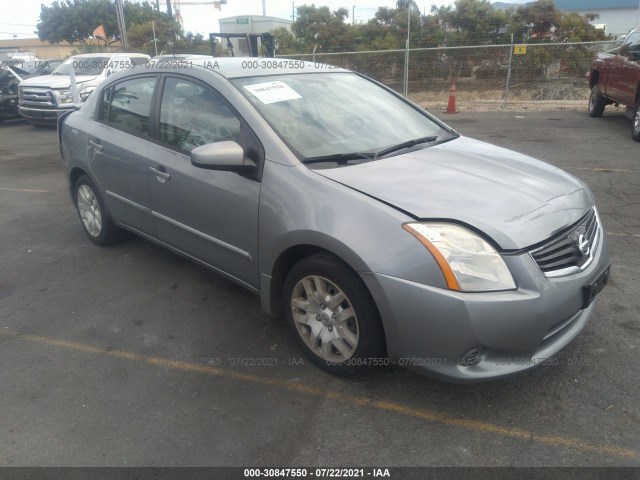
(135, 61)
(129, 105)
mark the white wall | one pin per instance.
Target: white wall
(619, 20)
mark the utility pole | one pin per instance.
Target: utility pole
(353, 15)
(264, 8)
(293, 11)
(121, 25)
(155, 40)
(169, 11)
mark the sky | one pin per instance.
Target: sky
(19, 17)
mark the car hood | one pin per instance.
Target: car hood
(55, 81)
(516, 200)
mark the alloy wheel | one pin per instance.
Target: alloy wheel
(89, 211)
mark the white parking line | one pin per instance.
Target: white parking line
(620, 234)
(24, 190)
(597, 169)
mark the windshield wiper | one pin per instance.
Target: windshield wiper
(340, 157)
(408, 144)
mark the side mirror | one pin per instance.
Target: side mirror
(108, 72)
(227, 155)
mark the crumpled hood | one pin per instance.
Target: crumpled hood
(55, 81)
(516, 200)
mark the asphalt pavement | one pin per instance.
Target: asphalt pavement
(133, 356)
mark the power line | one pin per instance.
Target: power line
(18, 24)
(17, 33)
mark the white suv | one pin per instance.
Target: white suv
(43, 99)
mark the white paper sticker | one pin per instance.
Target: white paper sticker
(272, 92)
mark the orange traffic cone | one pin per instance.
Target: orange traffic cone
(451, 107)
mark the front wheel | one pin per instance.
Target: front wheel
(333, 316)
(635, 129)
(596, 102)
(94, 217)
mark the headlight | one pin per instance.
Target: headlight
(65, 97)
(467, 261)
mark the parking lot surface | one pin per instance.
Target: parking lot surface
(133, 356)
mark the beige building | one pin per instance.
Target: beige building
(44, 50)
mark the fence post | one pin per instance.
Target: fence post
(506, 93)
(406, 53)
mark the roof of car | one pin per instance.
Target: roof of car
(177, 56)
(237, 67)
(118, 54)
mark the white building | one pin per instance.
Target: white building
(617, 16)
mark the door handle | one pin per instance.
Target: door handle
(96, 145)
(161, 173)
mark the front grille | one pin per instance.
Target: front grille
(571, 250)
(40, 97)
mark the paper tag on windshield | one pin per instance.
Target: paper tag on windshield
(272, 92)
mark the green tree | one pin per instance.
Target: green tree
(470, 22)
(169, 38)
(286, 42)
(322, 27)
(75, 20)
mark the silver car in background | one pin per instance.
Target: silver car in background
(377, 231)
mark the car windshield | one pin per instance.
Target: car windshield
(40, 67)
(339, 115)
(82, 66)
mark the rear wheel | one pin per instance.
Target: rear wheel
(596, 102)
(635, 129)
(94, 217)
(333, 316)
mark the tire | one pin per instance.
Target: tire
(596, 102)
(94, 218)
(333, 316)
(635, 124)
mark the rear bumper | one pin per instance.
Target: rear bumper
(430, 329)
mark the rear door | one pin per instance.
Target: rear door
(209, 215)
(118, 148)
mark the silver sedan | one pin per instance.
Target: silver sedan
(377, 231)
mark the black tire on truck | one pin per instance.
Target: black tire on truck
(635, 125)
(596, 102)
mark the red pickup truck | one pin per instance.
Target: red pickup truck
(615, 78)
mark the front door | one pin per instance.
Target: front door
(622, 71)
(209, 215)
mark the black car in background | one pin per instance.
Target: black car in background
(11, 74)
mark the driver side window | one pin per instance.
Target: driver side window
(192, 115)
(631, 44)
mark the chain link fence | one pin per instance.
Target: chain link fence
(486, 74)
